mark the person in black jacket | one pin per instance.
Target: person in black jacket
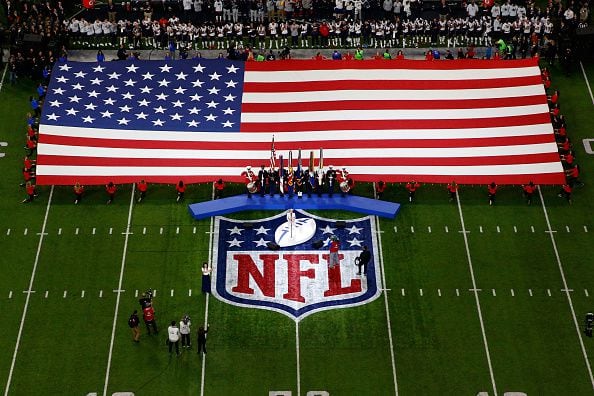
(362, 261)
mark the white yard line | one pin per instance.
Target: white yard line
(566, 289)
(207, 295)
(3, 75)
(31, 280)
(476, 296)
(298, 361)
(587, 82)
(119, 294)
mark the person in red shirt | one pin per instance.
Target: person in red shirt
(30, 146)
(572, 176)
(529, 191)
(429, 55)
(78, 192)
(496, 56)
(31, 132)
(319, 56)
(378, 56)
(380, 188)
(566, 192)
(28, 163)
(348, 56)
(31, 194)
(554, 98)
(492, 189)
(27, 176)
(568, 160)
(219, 186)
(142, 187)
(333, 259)
(412, 187)
(148, 314)
(111, 189)
(452, 190)
(181, 189)
(399, 55)
(564, 145)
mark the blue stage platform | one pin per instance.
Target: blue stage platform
(238, 203)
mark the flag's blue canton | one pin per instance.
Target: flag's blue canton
(183, 95)
(233, 236)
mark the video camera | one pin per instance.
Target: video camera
(149, 294)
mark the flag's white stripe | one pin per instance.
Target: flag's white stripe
(421, 152)
(393, 94)
(478, 170)
(396, 115)
(388, 74)
(304, 136)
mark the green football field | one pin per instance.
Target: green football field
(477, 298)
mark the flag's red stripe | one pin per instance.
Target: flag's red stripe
(479, 104)
(394, 85)
(371, 125)
(304, 145)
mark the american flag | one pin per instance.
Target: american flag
(471, 121)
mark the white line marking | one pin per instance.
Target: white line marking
(31, 280)
(118, 291)
(403, 293)
(458, 292)
(494, 293)
(429, 229)
(585, 229)
(3, 74)
(475, 290)
(412, 229)
(549, 292)
(155, 293)
(65, 293)
(59, 231)
(476, 296)
(119, 295)
(94, 231)
(515, 229)
(298, 358)
(100, 293)
(161, 231)
(587, 82)
(28, 291)
(171, 293)
(562, 272)
(10, 294)
(177, 230)
(421, 292)
(76, 231)
(439, 292)
(481, 229)
(447, 229)
(498, 229)
(26, 231)
(143, 230)
(8, 232)
(567, 290)
(136, 293)
(464, 232)
(210, 242)
(530, 292)
(567, 228)
(513, 294)
(46, 294)
(82, 294)
(190, 293)
(586, 293)
(194, 230)
(550, 231)
(110, 230)
(395, 229)
(532, 228)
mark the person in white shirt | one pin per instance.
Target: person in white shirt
(173, 334)
(184, 329)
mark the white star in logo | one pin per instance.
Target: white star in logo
(161, 96)
(71, 111)
(235, 230)
(65, 67)
(59, 91)
(177, 103)
(146, 89)
(158, 122)
(125, 109)
(262, 230)
(132, 68)
(109, 101)
(53, 117)
(96, 81)
(106, 114)
(163, 83)
(234, 242)
(129, 82)
(143, 102)
(231, 84)
(260, 242)
(114, 76)
(141, 115)
(197, 83)
(176, 117)
(192, 123)
(165, 68)
(354, 230)
(199, 68)
(160, 110)
(195, 97)
(210, 117)
(147, 76)
(227, 124)
(181, 76)
(61, 79)
(90, 106)
(212, 104)
(232, 69)
(123, 121)
(88, 119)
(78, 87)
(328, 230)
(179, 90)
(354, 242)
(327, 242)
(127, 95)
(228, 111)
(80, 74)
(93, 94)
(194, 110)
(229, 98)
(74, 99)
(214, 91)
(112, 88)
(55, 103)
(98, 69)
(214, 76)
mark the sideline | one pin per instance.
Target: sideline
(119, 290)
(3, 75)
(587, 82)
(28, 292)
(476, 296)
(577, 327)
(207, 295)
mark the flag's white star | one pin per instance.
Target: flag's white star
(127, 95)
(177, 103)
(199, 68)
(354, 242)
(132, 68)
(262, 230)
(71, 111)
(163, 83)
(194, 110)
(146, 89)
(141, 115)
(129, 82)
(125, 109)
(227, 124)
(80, 74)
(96, 81)
(106, 114)
(260, 242)
(61, 79)
(114, 76)
(195, 98)
(231, 84)
(90, 106)
(328, 230)
(228, 111)
(327, 242)
(55, 103)
(181, 76)
(354, 230)
(88, 119)
(179, 90)
(143, 102)
(160, 110)
(234, 242)
(165, 68)
(53, 117)
(176, 117)
(75, 99)
(98, 69)
(158, 122)
(212, 104)
(123, 121)
(109, 101)
(235, 230)
(197, 83)
(232, 69)
(147, 76)
(192, 123)
(161, 96)
(59, 91)
(210, 117)
(229, 98)
(77, 87)
(65, 67)
(93, 94)
(112, 88)
(214, 91)
(214, 76)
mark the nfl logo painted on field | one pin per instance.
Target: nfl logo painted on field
(269, 264)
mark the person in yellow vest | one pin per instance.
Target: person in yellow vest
(359, 54)
(387, 54)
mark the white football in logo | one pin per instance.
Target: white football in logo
(303, 230)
